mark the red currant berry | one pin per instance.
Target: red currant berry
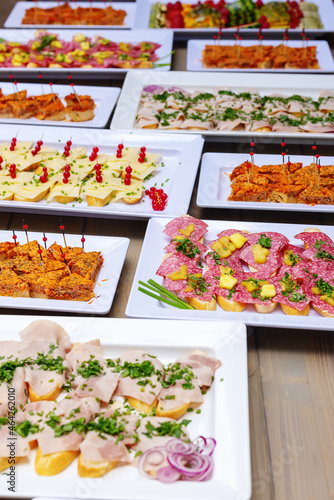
(1, 159)
(140, 160)
(39, 143)
(67, 168)
(45, 238)
(65, 181)
(66, 175)
(13, 175)
(12, 148)
(127, 182)
(95, 150)
(66, 154)
(128, 176)
(97, 166)
(92, 157)
(14, 236)
(14, 140)
(43, 178)
(120, 146)
(69, 143)
(143, 149)
(128, 170)
(98, 178)
(34, 153)
(119, 154)
(45, 169)
(147, 192)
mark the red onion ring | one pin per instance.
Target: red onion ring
(200, 443)
(146, 459)
(189, 465)
(210, 447)
(178, 446)
(168, 474)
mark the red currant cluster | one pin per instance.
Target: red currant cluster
(13, 144)
(44, 177)
(142, 155)
(98, 172)
(158, 197)
(1, 160)
(127, 178)
(37, 148)
(12, 171)
(120, 148)
(93, 155)
(67, 173)
(67, 149)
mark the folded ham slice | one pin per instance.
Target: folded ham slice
(20, 391)
(9, 350)
(42, 382)
(73, 406)
(46, 330)
(101, 386)
(180, 395)
(100, 449)
(202, 366)
(48, 443)
(83, 352)
(147, 437)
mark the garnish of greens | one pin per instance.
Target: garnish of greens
(164, 295)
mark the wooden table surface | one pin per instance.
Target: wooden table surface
(291, 372)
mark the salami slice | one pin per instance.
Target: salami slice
(229, 232)
(310, 238)
(187, 247)
(304, 271)
(243, 295)
(277, 240)
(204, 290)
(212, 259)
(321, 252)
(174, 263)
(229, 294)
(274, 260)
(292, 294)
(172, 228)
(175, 285)
(317, 303)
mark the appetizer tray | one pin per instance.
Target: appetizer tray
(224, 414)
(144, 7)
(141, 306)
(195, 63)
(214, 182)
(16, 16)
(176, 175)
(135, 82)
(105, 99)
(113, 251)
(163, 38)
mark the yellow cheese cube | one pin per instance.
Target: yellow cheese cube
(187, 232)
(225, 241)
(316, 290)
(220, 250)
(267, 291)
(227, 281)
(225, 270)
(329, 300)
(260, 253)
(238, 240)
(179, 275)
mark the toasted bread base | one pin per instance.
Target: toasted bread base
(202, 305)
(80, 116)
(131, 201)
(294, 312)
(153, 126)
(174, 413)
(140, 406)
(4, 462)
(50, 396)
(88, 468)
(53, 463)
(325, 314)
(310, 230)
(230, 305)
(261, 308)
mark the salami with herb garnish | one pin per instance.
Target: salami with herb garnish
(274, 260)
(319, 251)
(182, 223)
(269, 239)
(187, 247)
(174, 263)
(255, 282)
(289, 292)
(310, 238)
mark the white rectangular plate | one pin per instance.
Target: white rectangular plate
(113, 250)
(105, 99)
(214, 182)
(152, 252)
(224, 414)
(142, 19)
(16, 16)
(180, 156)
(310, 85)
(164, 38)
(195, 63)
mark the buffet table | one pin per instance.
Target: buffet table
(291, 372)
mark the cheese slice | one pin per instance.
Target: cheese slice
(131, 155)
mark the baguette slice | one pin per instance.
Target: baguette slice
(230, 305)
(50, 396)
(261, 308)
(88, 468)
(202, 305)
(174, 413)
(140, 406)
(325, 314)
(291, 311)
(53, 463)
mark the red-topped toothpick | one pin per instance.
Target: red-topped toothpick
(98, 173)
(303, 36)
(14, 237)
(314, 148)
(53, 94)
(44, 241)
(62, 228)
(283, 150)
(44, 177)
(16, 90)
(38, 146)
(25, 229)
(319, 167)
(39, 251)
(288, 164)
(248, 172)
(75, 93)
(67, 173)
(83, 243)
(63, 257)
(93, 154)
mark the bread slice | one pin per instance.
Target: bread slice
(88, 468)
(53, 463)
(230, 305)
(264, 309)
(202, 305)
(291, 311)
(174, 413)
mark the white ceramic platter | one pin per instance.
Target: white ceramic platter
(136, 81)
(113, 250)
(195, 63)
(105, 99)
(164, 38)
(142, 19)
(214, 182)
(142, 306)
(176, 175)
(224, 414)
(16, 16)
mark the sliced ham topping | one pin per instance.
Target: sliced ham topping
(42, 346)
(202, 359)
(73, 406)
(42, 382)
(48, 443)
(46, 330)
(100, 449)
(175, 395)
(9, 350)
(101, 386)
(83, 352)
(147, 432)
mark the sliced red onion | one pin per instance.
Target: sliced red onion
(189, 465)
(178, 446)
(200, 443)
(168, 474)
(153, 88)
(153, 457)
(210, 447)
